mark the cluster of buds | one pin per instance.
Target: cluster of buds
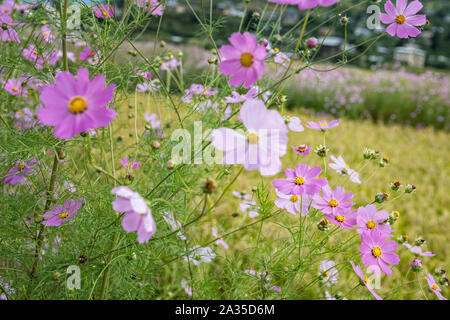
(410, 188)
(395, 186)
(381, 197)
(323, 225)
(416, 265)
(322, 151)
(371, 154)
(393, 217)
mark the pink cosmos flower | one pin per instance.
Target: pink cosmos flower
(47, 34)
(175, 225)
(76, 106)
(88, 54)
(433, 286)
(261, 146)
(171, 65)
(220, 242)
(418, 250)
(14, 87)
(250, 207)
(333, 201)
(302, 149)
(32, 55)
(369, 219)
(302, 180)
(138, 216)
(103, 11)
(322, 125)
(341, 167)
(6, 30)
(293, 203)
(364, 279)
(243, 60)
(61, 214)
(26, 119)
(402, 19)
(345, 219)
(376, 251)
(328, 273)
(198, 254)
(7, 7)
(186, 287)
(20, 170)
(129, 164)
(295, 124)
(153, 6)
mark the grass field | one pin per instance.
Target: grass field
(417, 156)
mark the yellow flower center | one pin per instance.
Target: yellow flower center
(91, 54)
(340, 218)
(301, 148)
(5, 10)
(325, 274)
(63, 215)
(371, 224)
(46, 34)
(434, 286)
(376, 252)
(299, 180)
(294, 198)
(20, 166)
(105, 13)
(366, 280)
(276, 50)
(397, 213)
(246, 59)
(15, 89)
(35, 52)
(252, 138)
(323, 124)
(333, 203)
(77, 105)
(400, 19)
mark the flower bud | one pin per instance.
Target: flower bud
(312, 43)
(381, 197)
(323, 225)
(416, 265)
(322, 151)
(156, 144)
(170, 164)
(384, 162)
(395, 185)
(419, 241)
(56, 276)
(393, 216)
(410, 188)
(256, 15)
(344, 20)
(82, 259)
(265, 42)
(209, 186)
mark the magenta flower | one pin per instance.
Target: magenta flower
(376, 251)
(345, 219)
(20, 170)
(243, 60)
(14, 87)
(418, 250)
(47, 34)
(402, 19)
(364, 279)
(32, 55)
(138, 216)
(369, 219)
(219, 242)
(263, 143)
(61, 214)
(322, 125)
(433, 286)
(333, 201)
(293, 203)
(153, 6)
(302, 149)
(129, 164)
(302, 180)
(76, 106)
(328, 274)
(7, 7)
(6, 30)
(88, 54)
(103, 11)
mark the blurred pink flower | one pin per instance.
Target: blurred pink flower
(322, 125)
(364, 279)
(418, 250)
(220, 242)
(302, 149)
(20, 170)
(61, 214)
(129, 164)
(434, 287)
(103, 11)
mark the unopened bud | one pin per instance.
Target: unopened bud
(410, 188)
(156, 144)
(381, 197)
(416, 265)
(209, 186)
(395, 185)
